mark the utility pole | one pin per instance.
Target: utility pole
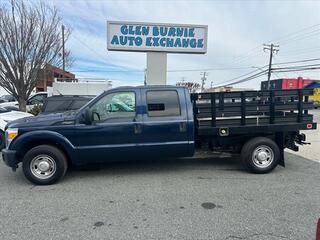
(203, 80)
(273, 49)
(63, 52)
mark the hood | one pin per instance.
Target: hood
(14, 115)
(43, 120)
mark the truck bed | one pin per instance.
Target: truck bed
(239, 112)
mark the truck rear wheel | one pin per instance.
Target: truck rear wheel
(44, 165)
(260, 155)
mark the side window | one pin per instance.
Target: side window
(115, 105)
(163, 103)
(37, 99)
(56, 105)
(77, 104)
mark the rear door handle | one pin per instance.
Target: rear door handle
(183, 127)
(137, 128)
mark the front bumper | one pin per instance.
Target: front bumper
(10, 159)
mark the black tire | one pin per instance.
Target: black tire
(252, 162)
(2, 140)
(44, 153)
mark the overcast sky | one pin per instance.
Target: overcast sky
(236, 32)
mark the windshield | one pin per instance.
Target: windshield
(62, 104)
(7, 98)
(4, 110)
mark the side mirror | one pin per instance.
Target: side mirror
(87, 117)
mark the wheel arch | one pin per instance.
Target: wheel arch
(22, 144)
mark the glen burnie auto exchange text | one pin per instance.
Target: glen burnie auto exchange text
(157, 36)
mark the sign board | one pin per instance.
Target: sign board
(156, 37)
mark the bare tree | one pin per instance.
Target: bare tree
(30, 38)
(192, 86)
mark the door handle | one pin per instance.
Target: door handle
(183, 127)
(137, 128)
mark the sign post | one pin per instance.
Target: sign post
(156, 68)
(157, 39)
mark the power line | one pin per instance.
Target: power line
(243, 75)
(277, 70)
(101, 70)
(302, 53)
(242, 58)
(199, 70)
(277, 65)
(176, 70)
(92, 50)
(302, 50)
(259, 74)
(295, 34)
(263, 73)
(208, 69)
(305, 60)
(297, 67)
(298, 70)
(306, 36)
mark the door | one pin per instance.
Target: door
(165, 123)
(115, 130)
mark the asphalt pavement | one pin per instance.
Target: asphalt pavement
(206, 197)
(202, 198)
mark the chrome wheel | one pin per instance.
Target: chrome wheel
(262, 156)
(43, 166)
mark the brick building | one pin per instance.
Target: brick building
(48, 75)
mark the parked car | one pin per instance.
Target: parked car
(36, 99)
(160, 121)
(7, 115)
(7, 98)
(64, 103)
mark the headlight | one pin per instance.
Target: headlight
(11, 133)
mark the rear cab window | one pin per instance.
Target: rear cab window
(163, 103)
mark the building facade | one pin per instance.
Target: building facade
(51, 73)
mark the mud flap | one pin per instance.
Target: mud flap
(280, 142)
(281, 162)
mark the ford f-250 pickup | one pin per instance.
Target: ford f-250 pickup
(160, 121)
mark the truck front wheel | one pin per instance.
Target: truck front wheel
(260, 155)
(44, 165)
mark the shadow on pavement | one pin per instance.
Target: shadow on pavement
(137, 166)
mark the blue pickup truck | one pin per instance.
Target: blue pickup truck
(160, 121)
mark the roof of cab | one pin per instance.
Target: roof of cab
(151, 86)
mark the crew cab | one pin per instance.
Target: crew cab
(160, 121)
